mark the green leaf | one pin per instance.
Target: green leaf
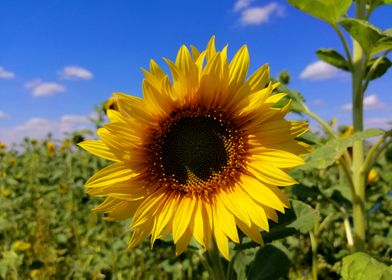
(360, 266)
(384, 43)
(327, 154)
(270, 263)
(242, 261)
(377, 3)
(334, 58)
(296, 98)
(328, 10)
(300, 218)
(381, 68)
(363, 32)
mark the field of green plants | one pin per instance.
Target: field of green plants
(48, 231)
(338, 226)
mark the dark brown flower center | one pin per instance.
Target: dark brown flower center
(197, 151)
(194, 145)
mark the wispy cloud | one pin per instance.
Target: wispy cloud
(371, 102)
(40, 88)
(38, 128)
(5, 74)
(320, 70)
(383, 122)
(3, 115)
(241, 4)
(75, 72)
(256, 15)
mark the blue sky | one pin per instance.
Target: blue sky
(59, 58)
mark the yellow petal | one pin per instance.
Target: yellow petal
(182, 217)
(211, 51)
(183, 242)
(272, 175)
(238, 68)
(225, 220)
(264, 156)
(166, 213)
(140, 234)
(259, 192)
(112, 174)
(148, 208)
(251, 231)
(259, 79)
(98, 148)
(198, 226)
(234, 202)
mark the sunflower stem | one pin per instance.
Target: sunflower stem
(215, 262)
(358, 196)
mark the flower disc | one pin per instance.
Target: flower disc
(200, 155)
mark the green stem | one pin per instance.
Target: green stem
(374, 153)
(314, 244)
(372, 69)
(346, 157)
(345, 45)
(215, 262)
(358, 197)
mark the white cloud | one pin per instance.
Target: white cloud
(371, 102)
(75, 72)
(241, 4)
(5, 74)
(3, 115)
(39, 88)
(320, 70)
(317, 102)
(38, 128)
(383, 123)
(259, 15)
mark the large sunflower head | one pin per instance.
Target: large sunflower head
(200, 155)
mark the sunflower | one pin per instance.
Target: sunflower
(200, 155)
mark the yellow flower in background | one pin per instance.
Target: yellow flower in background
(50, 148)
(3, 146)
(35, 273)
(6, 192)
(200, 155)
(372, 176)
(65, 146)
(21, 246)
(348, 132)
(110, 104)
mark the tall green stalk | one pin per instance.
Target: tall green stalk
(358, 200)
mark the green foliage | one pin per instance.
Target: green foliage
(361, 266)
(333, 57)
(270, 263)
(327, 154)
(44, 205)
(366, 34)
(381, 68)
(330, 11)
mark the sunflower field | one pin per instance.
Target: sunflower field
(208, 177)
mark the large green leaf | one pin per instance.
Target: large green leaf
(270, 263)
(328, 10)
(363, 32)
(334, 58)
(381, 68)
(327, 154)
(360, 266)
